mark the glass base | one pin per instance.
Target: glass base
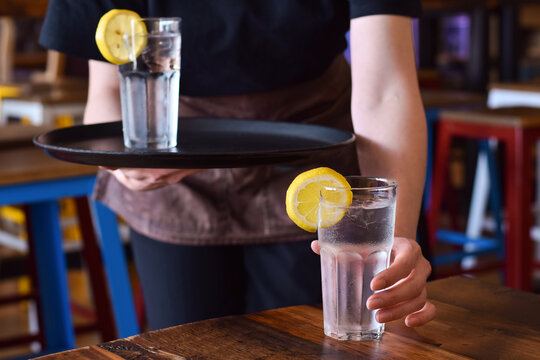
(356, 335)
(149, 145)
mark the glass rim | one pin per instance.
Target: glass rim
(157, 18)
(390, 184)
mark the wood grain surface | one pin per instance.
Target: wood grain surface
(438, 99)
(63, 90)
(28, 164)
(519, 117)
(17, 135)
(475, 320)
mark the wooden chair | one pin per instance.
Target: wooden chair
(52, 61)
(48, 93)
(9, 11)
(7, 49)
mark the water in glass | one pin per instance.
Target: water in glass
(148, 87)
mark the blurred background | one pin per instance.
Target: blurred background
(479, 73)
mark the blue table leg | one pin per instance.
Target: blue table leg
(432, 116)
(115, 264)
(52, 277)
(479, 245)
(495, 195)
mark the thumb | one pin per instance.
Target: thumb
(315, 247)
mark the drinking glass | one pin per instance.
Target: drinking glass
(354, 247)
(150, 84)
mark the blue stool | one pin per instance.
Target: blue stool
(518, 129)
(41, 197)
(434, 102)
(473, 244)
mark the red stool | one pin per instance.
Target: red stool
(518, 129)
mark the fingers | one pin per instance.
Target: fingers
(419, 318)
(315, 247)
(136, 183)
(404, 284)
(402, 309)
(179, 176)
(149, 175)
(407, 254)
(405, 290)
(150, 179)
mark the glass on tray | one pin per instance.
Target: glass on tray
(149, 84)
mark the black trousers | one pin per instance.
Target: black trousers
(182, 284)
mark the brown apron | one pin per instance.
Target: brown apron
(240, 205)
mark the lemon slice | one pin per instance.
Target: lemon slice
(303, 197)
(114, 36)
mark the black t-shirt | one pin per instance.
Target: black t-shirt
(230, 46)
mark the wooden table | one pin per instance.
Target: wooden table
(18, 135)
(43, 103)
(514, 94)
(475, 319)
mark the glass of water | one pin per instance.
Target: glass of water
(354, 248)
(150, 84)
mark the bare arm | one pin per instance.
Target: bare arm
(387, 111)
(103, 103)
(389, 120)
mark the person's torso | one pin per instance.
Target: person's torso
(240, 46)
(231, 47)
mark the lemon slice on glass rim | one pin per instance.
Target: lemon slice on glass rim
(114, 36)
(303, 198)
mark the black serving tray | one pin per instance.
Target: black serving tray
(203, 143)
